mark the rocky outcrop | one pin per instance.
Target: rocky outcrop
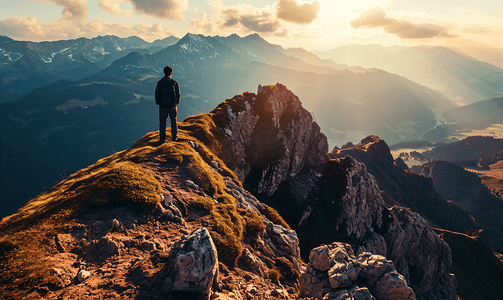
(193, 265)
(272, 133)
(419, 254)
(335, 272)
(405, 188)
(273, 145)
(277, 151)
(355, 213)
(277, 240)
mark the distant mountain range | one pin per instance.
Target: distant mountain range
(110, 103)
(482, 118)
(28, 65)
(458, 76)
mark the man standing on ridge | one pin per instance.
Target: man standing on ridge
(167, 96)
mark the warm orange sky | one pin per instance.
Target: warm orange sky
(475, 27)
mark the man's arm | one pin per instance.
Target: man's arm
(156, 94)
(177, 91)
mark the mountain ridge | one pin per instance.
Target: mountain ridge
(182, 186)
(458, 76)
(344, 110)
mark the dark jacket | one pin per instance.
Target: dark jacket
(167, 80)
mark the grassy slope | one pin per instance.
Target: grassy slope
(120, 179)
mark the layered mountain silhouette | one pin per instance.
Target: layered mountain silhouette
(458, 76)
(480, 118)
(28, 65)
(349, 103)
(466, 189)
(212, 215)
(471, 152)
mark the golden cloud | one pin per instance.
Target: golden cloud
(377, 17)
(73, 9)
(21, 27)
(162, 9)
(289, 10)
(28, 27)
(111, 6)
(246, 18)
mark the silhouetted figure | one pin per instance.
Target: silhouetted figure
(167, 96)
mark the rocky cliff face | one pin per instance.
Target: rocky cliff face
(405, 188)
(193, 218)
(327, 200)
(273, 145)
(271, 138)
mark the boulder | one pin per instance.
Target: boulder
(192, 265)
(334, 272)
(83, 275)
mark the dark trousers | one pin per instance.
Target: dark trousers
(163, 116)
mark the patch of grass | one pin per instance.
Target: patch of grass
(117, 180)
(124, 182)
(228, 224)
(254, 225)
(111, 183)
(287, 268)
(275, 217)
(274, 275)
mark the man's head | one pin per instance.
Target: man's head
(168, 70)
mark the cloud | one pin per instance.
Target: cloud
(73, 9)
(289, 10)
(162, 9)
(21, 27)
(111, 6)
(147, 32)
(28, 28)
(249, 18)
(245, 18)
(376, 17)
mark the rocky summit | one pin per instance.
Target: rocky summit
(247, 204)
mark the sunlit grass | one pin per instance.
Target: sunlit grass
(121, 180)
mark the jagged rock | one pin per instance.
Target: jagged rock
(252, 262)
(402, 236)
(422, 257)
(283, 242)
(193, 264)
(273, 133)
(284, 239)
(374, 271)
(83, 275)
(406, 188)
(362, 203)
(343, 274)
(393, 286)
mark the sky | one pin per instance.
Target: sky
(472, 26)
